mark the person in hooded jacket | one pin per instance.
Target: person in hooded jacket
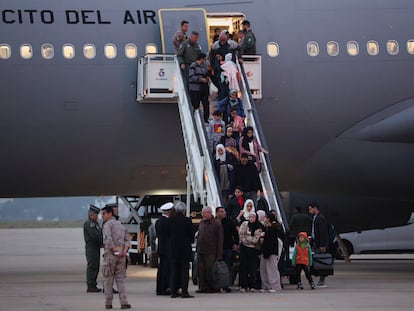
(249, 232)
(230, 102)
(302, 259)
(269, 258)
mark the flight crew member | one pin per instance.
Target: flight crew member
(180, 36)
(116, 243)
(188, 53)
(92, 234)
(249, 41)
(161, 229)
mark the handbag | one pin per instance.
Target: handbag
(213, 89)
(323, 264)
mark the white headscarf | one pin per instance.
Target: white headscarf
(246, 213)
(218, 156)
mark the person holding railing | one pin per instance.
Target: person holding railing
(249, 145)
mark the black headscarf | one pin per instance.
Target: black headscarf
(246, 139)
(253, 226)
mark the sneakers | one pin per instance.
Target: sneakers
(321, 285)
(125, 306)
(243, 290)
(252, 290)
(312, 285)
(263, 290)
(300, 286)
(272, 291)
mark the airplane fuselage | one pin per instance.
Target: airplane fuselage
(338, 128)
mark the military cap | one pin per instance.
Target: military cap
(93, 209)
(167, 206)
(113, 205)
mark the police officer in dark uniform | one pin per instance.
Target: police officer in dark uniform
(92, 234)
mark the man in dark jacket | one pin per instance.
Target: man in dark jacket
(299, 222)
(209, 248)
(230, 241)
(92, 234)
(247, 177)
(163, 272)
(249, 41)
(181, 236)
(187, 54)
(198, 81)
(319, 234)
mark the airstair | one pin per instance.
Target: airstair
(201, 177)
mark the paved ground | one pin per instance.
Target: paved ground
(43, 269)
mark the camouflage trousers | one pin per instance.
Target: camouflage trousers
(114, 268)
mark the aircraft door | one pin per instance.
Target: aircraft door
(170, 22)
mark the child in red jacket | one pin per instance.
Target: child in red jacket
(302, 259)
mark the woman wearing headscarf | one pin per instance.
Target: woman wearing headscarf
(224, 163)
(249, 232)
(244, 214)
(269, 259)
(248, 144)
(228, 139)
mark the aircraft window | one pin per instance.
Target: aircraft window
(272, 49)
(89, 51)
(5, 51)
(353, 48)
(332, 48)
(110, 50)
(313, 48)
(392, 47)
(26, 51)
(131, 50)
(150, 48)
(47, 51)
(372, 47)
(410, 46)
(68, 51)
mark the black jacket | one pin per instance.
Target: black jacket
(247, 177)
(231, 236)
(270, 244)
(161, 229)
(321, 231)
(233, 209)
(181, 235)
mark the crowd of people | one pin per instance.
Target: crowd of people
(245, 237)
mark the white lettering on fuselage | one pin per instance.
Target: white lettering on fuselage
(74, 17)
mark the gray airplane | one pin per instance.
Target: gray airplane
(337, 105)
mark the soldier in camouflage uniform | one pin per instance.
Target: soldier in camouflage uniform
(92, 233)
(116, 243)
(187, 54)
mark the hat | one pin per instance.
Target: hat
(232, 91)
(113, 205)
(93, 209)
(167, 206)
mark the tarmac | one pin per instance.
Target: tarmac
(44, 269)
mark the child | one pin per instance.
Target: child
(302, 258)
(215, 130)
